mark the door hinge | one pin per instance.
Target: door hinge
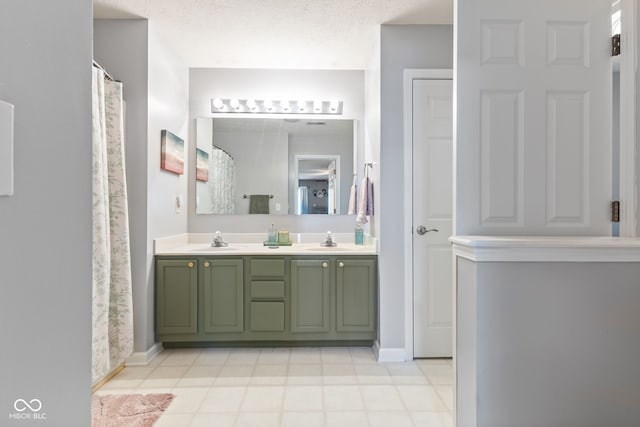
(615, 45)
(615, 211)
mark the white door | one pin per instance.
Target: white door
(432, 217)
(533, 123)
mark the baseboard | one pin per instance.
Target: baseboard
(143, 358)
(389, 354)
(107, 377)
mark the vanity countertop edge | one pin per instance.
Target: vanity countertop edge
(303, 244)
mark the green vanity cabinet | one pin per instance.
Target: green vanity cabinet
(356, 287)
(209, 300)
(310, 295)
(176, 296)
(222, 285)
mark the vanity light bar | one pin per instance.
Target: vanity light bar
(267, 106)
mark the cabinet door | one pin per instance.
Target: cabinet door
(356, 295)
(310, 302)
(222, 291)
(267, 316)
(176, 296)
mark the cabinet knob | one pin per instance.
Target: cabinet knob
(341, 264)
(325, 264)
(190, 264)
(206, 263)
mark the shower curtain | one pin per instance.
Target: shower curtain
(222, 177)
(112, 314)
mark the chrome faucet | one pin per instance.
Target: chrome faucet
(218, 242)
(329, 240)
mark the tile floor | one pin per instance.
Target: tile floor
(299, 387)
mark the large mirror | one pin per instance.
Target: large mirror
(274, 166)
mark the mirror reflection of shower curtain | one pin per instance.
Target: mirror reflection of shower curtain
(302, 206)
(332, 201)
(222, 176)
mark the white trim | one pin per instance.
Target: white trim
(628, 168)
(143, 358)
(411, 74)
(386, 355)
(546, 249)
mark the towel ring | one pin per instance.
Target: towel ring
(366, 168)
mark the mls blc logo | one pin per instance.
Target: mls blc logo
(27, 410)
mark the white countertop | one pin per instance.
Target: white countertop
(251, 244)
(547, 248)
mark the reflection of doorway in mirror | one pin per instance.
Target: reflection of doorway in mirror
(319, 174)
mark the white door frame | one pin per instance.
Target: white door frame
(411, 74)
(628, 150)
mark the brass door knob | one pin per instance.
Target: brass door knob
(190, 264)
(341, 264)
(325, 264)
(206, 263)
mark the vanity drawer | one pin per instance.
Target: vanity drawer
(267, 289)
(267, 267)
(267, 316)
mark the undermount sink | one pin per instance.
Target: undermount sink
(330, 248)
(215, 249)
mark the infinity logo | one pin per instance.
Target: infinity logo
(21, 405)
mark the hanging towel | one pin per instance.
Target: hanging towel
(363, 201)
(259, 204)
(369, 209)
(352, 199)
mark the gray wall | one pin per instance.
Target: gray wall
(156, 96)
(168, 109)
(45, 229)
(207, 83)
(556, 345)
(402, 46)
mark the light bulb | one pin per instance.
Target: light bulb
(268, 105)
(301, 105)
(217, 103)
(334, 105)
(251, 103)
(317, 106)
(284, 105)
(234, 103)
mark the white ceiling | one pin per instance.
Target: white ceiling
(306, 34)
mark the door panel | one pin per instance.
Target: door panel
(432, 208)
(533, 129)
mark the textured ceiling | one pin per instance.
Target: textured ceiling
(309, 34)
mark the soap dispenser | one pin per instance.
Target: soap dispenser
(272, 236)
(359, 234)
